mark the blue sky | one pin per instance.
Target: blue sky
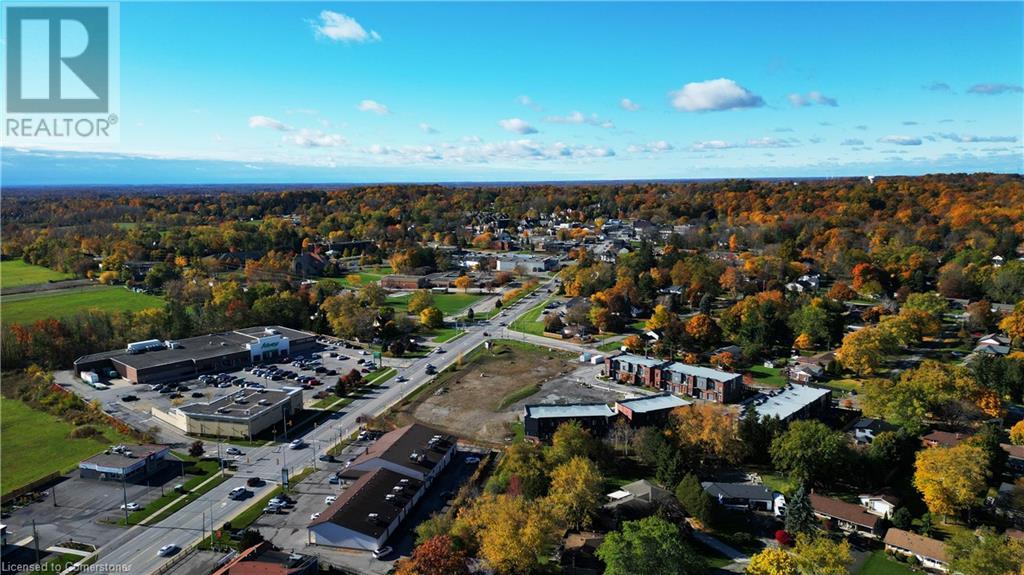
(343, 92)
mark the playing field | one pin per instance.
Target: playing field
(14, 273)
(35, 444)
(30, 307)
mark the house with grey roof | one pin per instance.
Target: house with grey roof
(745, 496)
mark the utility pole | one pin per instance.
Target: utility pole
(35, 539)
(124, 491)
(53, 494)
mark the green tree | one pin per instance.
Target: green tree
(799, 513)
(571, 440)
(651, 545)
(808, 451)
(985, 553)
(419, 301)
(694, 499)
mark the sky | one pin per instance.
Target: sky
(392, 92)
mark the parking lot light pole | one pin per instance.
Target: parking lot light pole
(124, 491)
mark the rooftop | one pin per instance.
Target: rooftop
(263, 559)
(945, 438)
(737, 491)
(414, 446)
(844, 511)
(124, 456)
(918, 544)
(244, 403)
(365, 507)
(638, 360)
(794, 398)
(698, 371)
(543, 411)
(653, 403)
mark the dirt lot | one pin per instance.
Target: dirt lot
(480, 400)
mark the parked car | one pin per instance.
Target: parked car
(334, 480)
(127, 398)
(326, 457)
(472, 459)
(272, 509)
(314, 516)
(330, 499)
(238, 493)
(197, 394)
(382, 552)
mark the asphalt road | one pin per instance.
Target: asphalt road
(137, 548)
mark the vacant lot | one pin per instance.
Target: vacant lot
(481, 399)
(15, 273)
(448, 303)
(27, 308)
(35, 444)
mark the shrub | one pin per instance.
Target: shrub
(784, 539)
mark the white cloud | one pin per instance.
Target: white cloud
(268, 122)
(766, 142)
(373, 106)
(427, 128)
(630, 105)
(797, 100)
(341, 28)
(525, 100)
(712, 145)
(994, 88)
(852, 142)
(936, 87)
(517, 125)
(900, 140)
(714, 95)
(814, 97)
(650, 147)
(969, 138)
(314, 139)
(580, 118)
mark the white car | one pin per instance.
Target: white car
(314, 517)
(296, 444)
(472, 459)
(330, 499)
(133, 506)
(168, 550)
(381, 552)
(234, 451)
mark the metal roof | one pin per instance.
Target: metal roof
(698, 371)
(569, 410)
(790, 401)
(654, 403)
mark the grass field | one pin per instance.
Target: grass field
(15, 273)
(880, 564)
(29, 307)
(445, 334)
(767, 375)
(35, 444)
(366, 276)
(530, 322)
(448, 303)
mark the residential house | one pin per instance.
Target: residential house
(639, 499)
(633, 369)
(1014, 458)
(404, 282)
(866, 429)
(993, 344)
(943, 439)
(930, 553)
(746, 496)
(847, 516)
(882, 505)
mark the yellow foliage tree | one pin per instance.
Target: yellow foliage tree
(463, 283)
(576, 492)
(803, 341)
(950, 478)
(711, 428)
(772, 561)
(1013, 324)
(510, 533)
(1017, 433)
(819, 555)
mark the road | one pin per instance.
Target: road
(137, 548)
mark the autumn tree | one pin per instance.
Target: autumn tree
(420, 300)
(431, 318)
(571, 440)
(951, 478)
(864, 350)
(1013, 324)
(820, 555)
(772, 561)
(808, 451)
(704, 331)
(576, 492)
(985, 552)
(463, 283)
(651, 545)
(709, 429)
(1017, 433)
(521, 472)
(840, 291)
(435, 556)
(510, 533)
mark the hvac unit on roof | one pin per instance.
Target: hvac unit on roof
(389, 497)
(397, 489)
(372, 517)
(403, 482)
(263, 402)
(414, 456)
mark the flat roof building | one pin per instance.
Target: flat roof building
(415, 451)
(130, 463)
(540, 421)
(794, 402)
(649, 410)
(368, 511)
(242, 414)
(155, 361)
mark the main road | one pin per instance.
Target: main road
(137, 548)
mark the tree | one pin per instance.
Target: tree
(651, 545)
(1013, 324)
(950, 478)
(522, 472)
(463, 283)
(799, 513)
(931, 303)
(470, 314)
(902, 519)
(372, 295)
(655, 450)
(840, 291)
(571, 440)
(419, 301)
(808, 451)
(348, 317)
(576, 492)
(659, 318)
(772, 561)
(196, 449)
(985, 553)
(510, 533)
(709, 429)
(864, 350)
(704, 331)
(1017, 433)
(694, 499)
(431, 318)
(819, 555)
(435, 556)
(553, 323)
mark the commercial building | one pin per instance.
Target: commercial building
(541, 421)
(156, 361)
(242, 414)
(650, 409)
(129, 463)
(415, 451)
(794, 402)
(263, 559)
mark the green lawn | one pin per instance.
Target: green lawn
(610, 345)
(448, 303)
(784, 485)
(43, 438)
(880, 564)
(15, 273)
(767, 375)
(201, 470)
(843, 384)
(530, 322)
(445, 334)
(30, 307)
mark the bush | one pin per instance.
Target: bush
(84, 432)
(784, 539)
